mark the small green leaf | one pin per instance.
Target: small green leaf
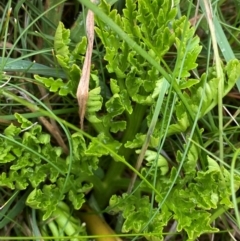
(114, 105)
(38, 175)
(95, 148)
(50, 82)
(79, 145)
(114, 86)
(12, 130)
(63, 61)
(80, 49)
(86, 161)
(46, 199)
(25, 123)
(76, 199)
(188, 83)
(5, 154)
(74, 76)
(139, 140)
(181, 126)
(23, 161)
(213, 165)
(44, 138)
(21, 180)
(117, 126)
(7, 181)
(94, 104)
(153, 159)
(61, 40)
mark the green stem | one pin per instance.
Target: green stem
(98, 186)
(123, 183)
(116, 169)
(220, 211)
(100, 128)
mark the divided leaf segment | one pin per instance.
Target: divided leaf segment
(121, 120)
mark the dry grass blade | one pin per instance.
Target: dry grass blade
(52, 125)
(54, 130)
(82, 91)
(219, 71)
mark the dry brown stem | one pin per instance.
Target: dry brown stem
(83, 86)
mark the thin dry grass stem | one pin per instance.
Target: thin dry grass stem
(8, 229)
(236, 232)
(226, 224)
(219, 73)
(196, 16)
(51, 127)
(138, 166)
(26, 230)
(234, 95)
(170, 231)
(7, 122)
(9, 46)
(54, 125)
(212, 235)
(1, 86)
(233, 117)
(195, 19)
(83, 86)
(55, 133)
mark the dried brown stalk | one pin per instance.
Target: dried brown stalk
(83, 86)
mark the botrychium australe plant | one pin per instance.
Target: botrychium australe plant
(147, 116)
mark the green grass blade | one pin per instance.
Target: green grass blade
(18, 65)
(15, 210)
